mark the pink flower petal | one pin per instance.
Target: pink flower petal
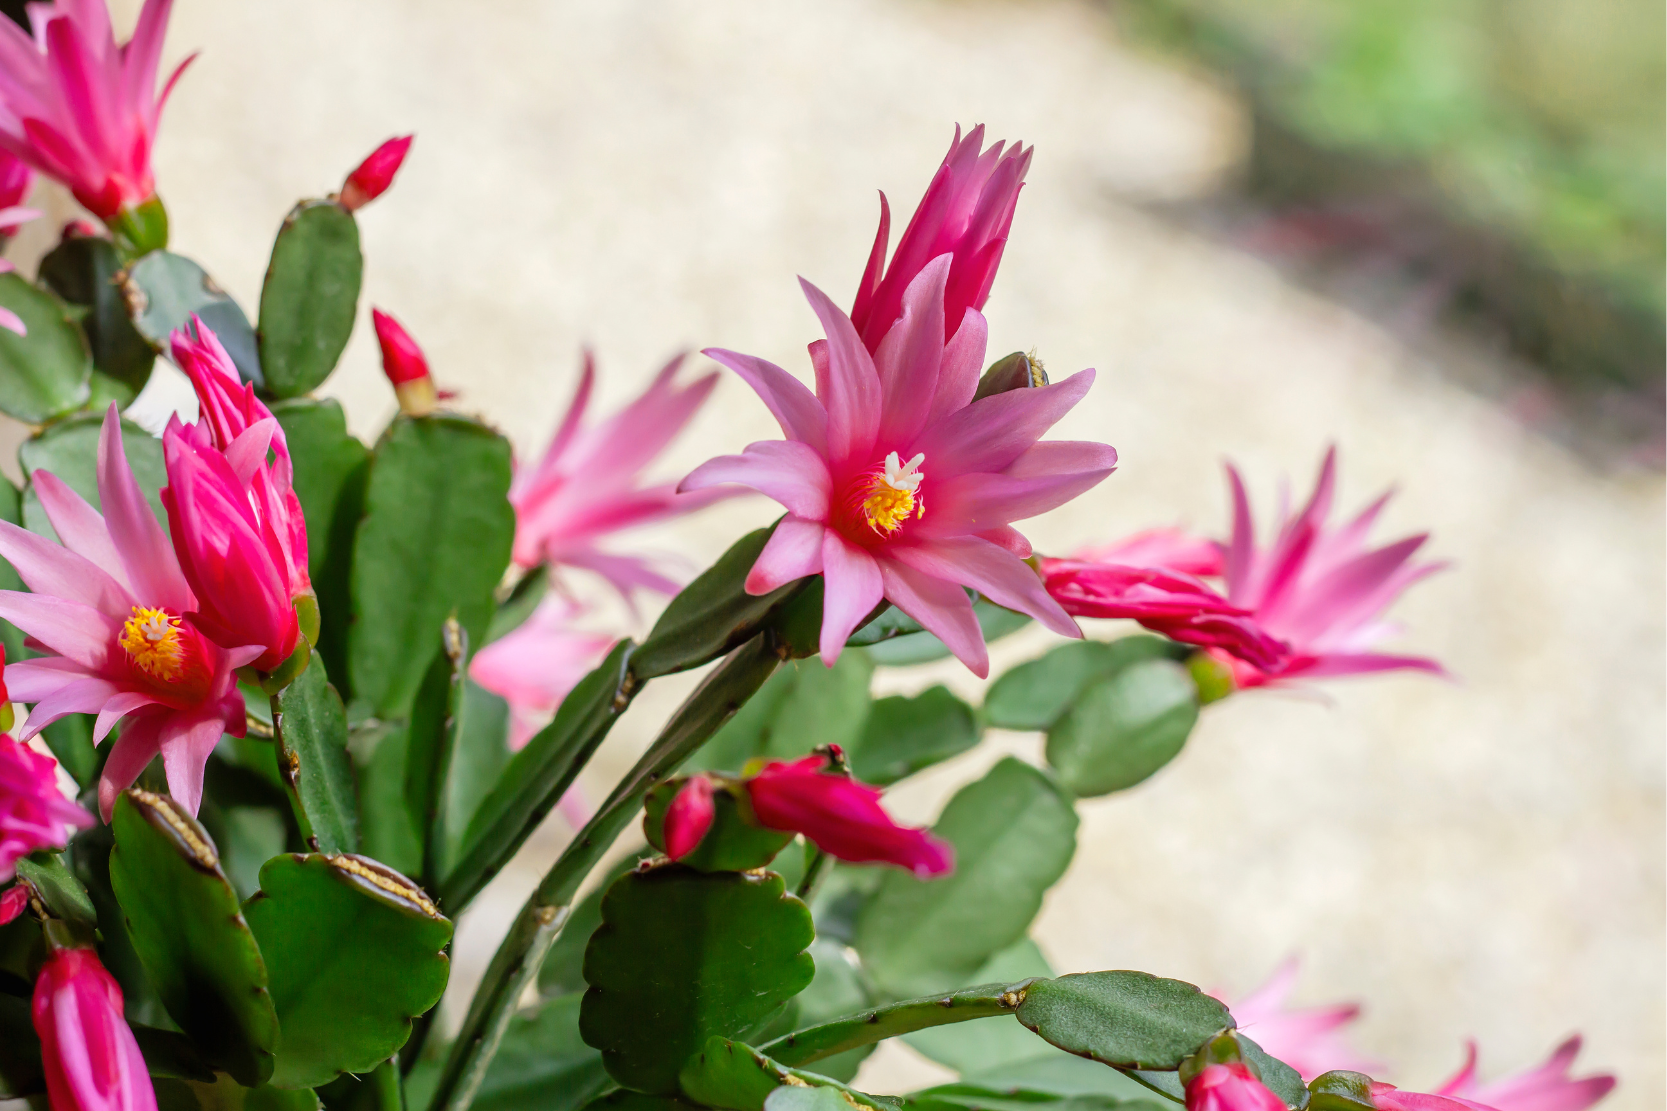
(793, 551)
(908, 358)
(787, 471)
(132, 751)
(992, 432)
(79, 526)
(152, 568)
(851, 589)
(992, 571)
(789, 400)
(852, 397)
(942, 608)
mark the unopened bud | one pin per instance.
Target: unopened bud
(688, 817)
(13, 900)
(1017, 371)
(373, 176)
(405, 365)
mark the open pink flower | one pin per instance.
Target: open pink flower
(588, 482)
(1309, 1039)
(966, 214)
(899, 486)
(1546, 1087)
(33, 811)
(842, 816)
(91, 1059)
(81, 109)
(113, 607)
(236, 521)
(1230, 1087)
(534, 666)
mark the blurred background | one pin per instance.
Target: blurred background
(1428, 231)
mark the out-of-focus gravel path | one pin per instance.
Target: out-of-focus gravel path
(1476, 858)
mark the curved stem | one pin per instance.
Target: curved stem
(837, 1035)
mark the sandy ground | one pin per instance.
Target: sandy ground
(1480, 858)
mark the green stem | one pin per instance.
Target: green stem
(812, 879)
(515, 965)
(865, 1027)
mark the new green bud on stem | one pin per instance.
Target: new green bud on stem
(141, 229)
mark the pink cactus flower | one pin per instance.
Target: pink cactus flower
(81, 109)
(371, 178)
(17, 180)
(1387, 1097)
(1309, 1039)
(13, 900)
(899, 486)
(688, 817)
(535, 665)
(236, 521)
(33, 811)
(1546, 1087)
(1171, 549)
(842, 816)
(1230, 1087)
(966, 214)
(114, 609)
(91, 1059)
(587, 485)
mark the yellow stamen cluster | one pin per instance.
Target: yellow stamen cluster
(152, 641)
(894, 495)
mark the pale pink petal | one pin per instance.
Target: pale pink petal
(942, 608)
(10, 321)
(1241, 548)
(794, 550)
(962, 366)
(851, 590)
(788, 471)
(992, 571)
(992, 432)
(53, 570)
(133, 749)
(789, 400)
(152, 568)
(185, 742)
(121, 704)
(68, 628)
(852, 399)
(78, 524)
(908, 358)
(33, 679)
(80, 696)
(973, 502)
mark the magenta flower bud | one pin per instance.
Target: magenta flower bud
(843, 817)
(1230, 1087)
(966, 214)
(405, 365)
(373, 176)
(688, 817)
(91, 1059)
(81, 108)
(12, 901)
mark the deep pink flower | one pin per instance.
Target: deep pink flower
(402, 360)
(966, 214)
(113, 607)
(81, 109)
(1309, 1039)
(587, 485)
(371, 178)
(1387, 1097)
(12, 901)
(534, 666)
(91, 1059)
(897, 484)
(842, 816)
(1172, 549)
(1230, 1087)
(236, 522)
(1546, 1087)
(33, 811)
(688, 817)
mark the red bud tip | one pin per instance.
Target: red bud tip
(688, 817)
(374, 174)
(402, 360)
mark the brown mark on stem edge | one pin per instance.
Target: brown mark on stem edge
(384, 879)
(183, 829)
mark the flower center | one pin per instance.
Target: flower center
(152, 641)
(891, 496)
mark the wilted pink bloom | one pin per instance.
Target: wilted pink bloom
(899, 486)
(1319, 588)
(81, 109)
(966, 214)
(13, 900)
(91, 1059)
(534, 666)
(586, 486)
(236, 521)
(688, 817)
(1309, 1039)
(114, 609)
(373, 176)
(1547, 1087)
(33, 811)
(842, 816)
(1230, 1087)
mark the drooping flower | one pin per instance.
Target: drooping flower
(1309, 1039)
(1546, 1087)
(1314, 596)
(897, 484)
(965, 213)
(588, 485)
(33, 811)
(1230, 1087)
(88, 1051)
(81, 109)
(688, 817)
(236, 521)
(115, 611)
(533, 666)
(843, 817)
(405, 365)
(371, 178)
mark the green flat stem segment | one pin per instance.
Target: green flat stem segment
(866, 1027)
(516, 963)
